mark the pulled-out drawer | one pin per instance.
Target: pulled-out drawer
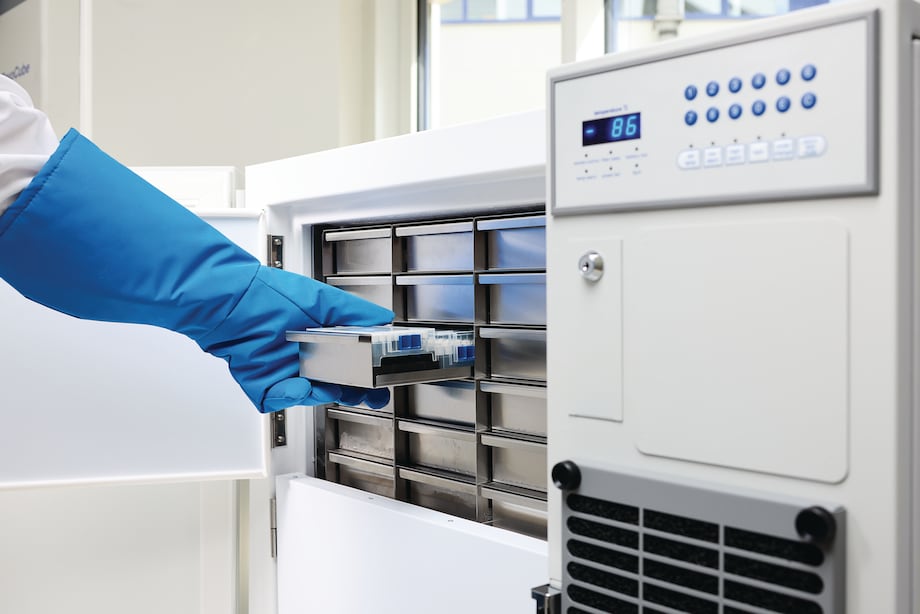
(447, 298)
(516, 407)
(444, 494)
(517, 462)
(376, 289)
(360, 251)
(438, 247)
(446, 401)
(359, 432)
(515, 243)
(516, 511)
(516, 353)
(363, 474)
(516, 298)
(438, 447)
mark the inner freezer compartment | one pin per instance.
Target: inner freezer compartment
(516, 298)
(450, 402)
(439, 491)
(361, 473)
(516, 461)
(438, 298)
(432, 446)
(517, 408)
(437, 247)
(351, 431)
(517, 243)
(377, 289)
(515, 353)
(357, 251)
(517, 510)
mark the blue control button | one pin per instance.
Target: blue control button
(782, 104)
(758, 80)
(690, 117)
(712, 88)
(734, 85)
(712, 114)
(808, 72)
(734, 111)
(809, 100)
(758, 107)
(783, 76)
(690, 92)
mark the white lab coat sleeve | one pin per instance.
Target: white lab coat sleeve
(27, 140)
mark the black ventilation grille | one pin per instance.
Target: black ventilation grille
(625, 555)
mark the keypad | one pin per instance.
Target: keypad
(783, 77)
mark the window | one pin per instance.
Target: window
(484, 58)
(465, 11)
(627, 20)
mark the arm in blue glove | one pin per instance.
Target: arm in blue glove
(89, 238)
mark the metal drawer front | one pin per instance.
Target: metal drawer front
(515, 243)
(361, 433)
(361, 251)
(439, 493)
(447, 401)
(516, 512)
(517, 462)
(516, 298)
(377, 290)
(516, 353)
(364, 475)
(440, 448)
(517, 408)
(447, 298)
(438, 247)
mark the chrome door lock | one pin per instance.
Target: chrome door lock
(591, 266)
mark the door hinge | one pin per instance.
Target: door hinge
(275, 251)
(276, 261)
(279, 428)
(273, 521)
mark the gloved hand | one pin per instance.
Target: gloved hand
(89, 238)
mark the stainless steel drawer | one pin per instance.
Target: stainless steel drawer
(515, 243)
(361, 251)
(443, 494)
(517, 408)
(446, 401)
(376, 289)
(516, 353)
(517, 512)
(358, 432)
(442, 448)
(517, 462)
(363, 474)
(446, 298)
(438, 247)
(516, 298)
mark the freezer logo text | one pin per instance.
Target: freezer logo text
(19, 71)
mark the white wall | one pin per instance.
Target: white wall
(226, 82)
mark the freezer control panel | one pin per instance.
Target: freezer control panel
(789, 114)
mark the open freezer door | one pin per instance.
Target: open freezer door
(93, 402)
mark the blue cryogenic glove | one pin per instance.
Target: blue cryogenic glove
(89, 238)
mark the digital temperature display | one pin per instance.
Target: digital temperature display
(611, 129)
